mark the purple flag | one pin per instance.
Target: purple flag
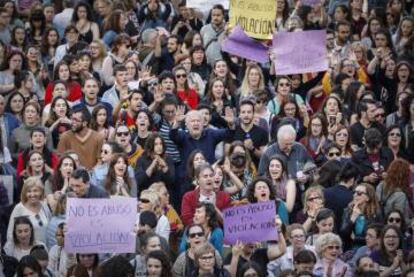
(240, 44)
(311, 3)
(101, 225)
(250, 223)
(300, 52)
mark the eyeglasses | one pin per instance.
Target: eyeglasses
(284, 84)
(391, 237)
(332, 247)
(394, 219)
(206, 258)
(193, 235)
(144, 200)
(39, 220)
(181, 76)
(394, 134)
(380, 115)
(120, 134)
(332, 154)
(359, 193)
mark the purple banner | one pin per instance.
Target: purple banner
(300, 52)
(240, 44)
(101, 225)
(311, 3)
(250, 223)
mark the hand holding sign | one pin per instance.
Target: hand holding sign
(250, 223)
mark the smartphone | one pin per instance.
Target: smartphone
(332, 119)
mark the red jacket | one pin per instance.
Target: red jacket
(74, 93)
(190, 202)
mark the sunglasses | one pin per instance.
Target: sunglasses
(284, 84)
(144, 200)
(261, 101)
(336, 154)
(394, 134)
(314, 198)
(39, 220)
(106, 152)
(332, 247)
(380, 115)
(181, 76)
(394, 219)
(193, 235)
(359, 193)
(120, 134)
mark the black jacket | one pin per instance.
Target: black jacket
(9, 265)
(360, 158)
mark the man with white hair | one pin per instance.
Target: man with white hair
(198, 137)
(294, 152)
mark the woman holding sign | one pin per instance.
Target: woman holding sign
(262, 190)
(206, 216)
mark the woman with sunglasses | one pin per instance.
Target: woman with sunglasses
(206, 215)
(23, 238)
(362, 211)
(149, 200)
(283, 92)
(108, 150)
(394, 192)
(313, 202)
(184, 92)
(33, 206)
(329, 247)
(394, 141)
(185, 263)
(390, 256)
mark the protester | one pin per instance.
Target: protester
(168, 103)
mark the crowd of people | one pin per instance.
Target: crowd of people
(127, 98)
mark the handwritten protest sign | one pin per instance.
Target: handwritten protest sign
(206, 5)
(300, 52)
(250, 223)
(257, 18)
(311, 3)
(101, 225)
(238, 43)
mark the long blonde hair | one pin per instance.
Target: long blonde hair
(244, 88)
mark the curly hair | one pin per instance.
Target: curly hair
(398, 177)
(111, 177)
(252, 187)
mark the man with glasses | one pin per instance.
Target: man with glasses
(84, 141)
(123, 138)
